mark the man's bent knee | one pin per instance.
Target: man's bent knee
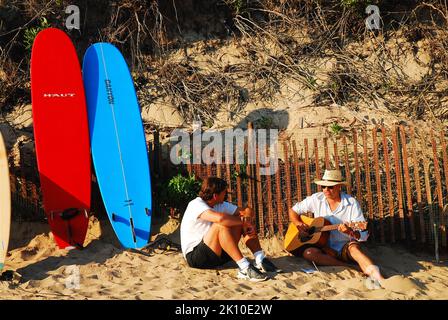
(354, 247)
(310, 253)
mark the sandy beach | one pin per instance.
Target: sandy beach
(108, 272)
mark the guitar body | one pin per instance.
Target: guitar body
(295, 242)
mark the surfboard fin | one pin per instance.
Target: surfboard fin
(133, 230)
(69, 213)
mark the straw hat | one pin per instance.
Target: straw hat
(331, 178)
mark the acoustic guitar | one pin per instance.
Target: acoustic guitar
(318, 233)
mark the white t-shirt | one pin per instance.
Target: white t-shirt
(192, 228)
(348, 210)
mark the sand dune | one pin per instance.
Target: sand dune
(108, 272)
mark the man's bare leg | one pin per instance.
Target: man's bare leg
(220, 238)
(252, 243)
(320, 258)
(366, 264)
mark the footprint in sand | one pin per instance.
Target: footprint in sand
(399, 284)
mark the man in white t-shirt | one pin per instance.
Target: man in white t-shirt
(338, 208)
(211, 229)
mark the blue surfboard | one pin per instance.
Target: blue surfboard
(118, 144)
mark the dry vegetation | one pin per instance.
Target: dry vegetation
(279, 41)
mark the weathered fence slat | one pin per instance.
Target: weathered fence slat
(219, 170)
(249, 169)
(189, 168)
(439, 189)
(259, 195)
(357, 171)
(368, 185)
(307, 169)
(228, 175)
(279, 200)
(378, 184)
(336, 154)
(445, 158)
(348, 177)
(418, 186)
(269, 200)
(388, 185)
(208, 168)
(288, 176)
(297, 172)
(432, 223)
(316, 161)
(158, 155)
(239, 195)
(327, 157)
(407, 181)
(398, 174)
(13, 182)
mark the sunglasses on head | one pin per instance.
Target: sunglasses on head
(328, 187)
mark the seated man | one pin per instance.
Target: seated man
(338, 208)
(211, 230)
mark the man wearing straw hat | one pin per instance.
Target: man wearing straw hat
(343, 244)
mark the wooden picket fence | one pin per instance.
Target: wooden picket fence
(399, 175)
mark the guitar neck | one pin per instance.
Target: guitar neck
(335, 227)
(329, 227)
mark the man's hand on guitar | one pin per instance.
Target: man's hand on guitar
(347, 230)
(303, 228)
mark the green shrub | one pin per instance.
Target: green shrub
(335, 128)
(237, 6)
(178, 191)
(31, 33)
(349, 3)
(180, 187)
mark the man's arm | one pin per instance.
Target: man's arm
(300, 208)
(348, 231)
(220, 218)
(356, 216)
(294, 218)
(247, 215)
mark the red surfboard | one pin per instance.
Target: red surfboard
(61, 136)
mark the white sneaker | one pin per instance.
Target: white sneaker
(252, 274)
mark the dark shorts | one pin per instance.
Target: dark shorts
(344, 255)
(202, 257)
